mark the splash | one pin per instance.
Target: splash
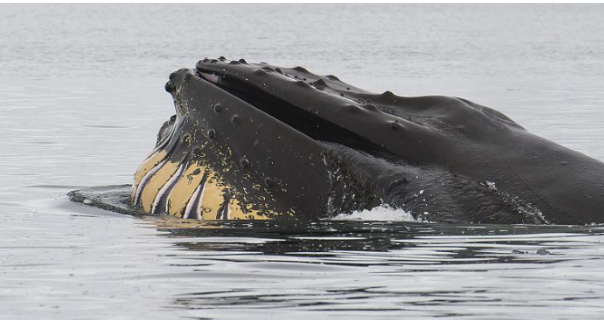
(381, 213)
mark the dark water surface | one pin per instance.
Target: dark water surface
(81, 100)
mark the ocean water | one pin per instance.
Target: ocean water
(81, 100)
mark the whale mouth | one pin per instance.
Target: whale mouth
(305, 121)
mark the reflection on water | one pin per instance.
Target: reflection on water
(326, 236)
(387, 268)
(62, 259)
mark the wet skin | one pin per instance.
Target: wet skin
(256, 141)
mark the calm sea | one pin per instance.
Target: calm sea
(81, 100)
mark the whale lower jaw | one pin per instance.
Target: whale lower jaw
(112, 198)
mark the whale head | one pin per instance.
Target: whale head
(238, 148)
(257, 141)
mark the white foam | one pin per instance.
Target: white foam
(381, 213)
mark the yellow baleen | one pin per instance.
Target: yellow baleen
(184, 189)
(212, 198)
(155, 183)
(145, 167)
(157, 173)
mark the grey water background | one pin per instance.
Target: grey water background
(81, 100)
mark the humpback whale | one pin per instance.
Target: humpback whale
(258, 141)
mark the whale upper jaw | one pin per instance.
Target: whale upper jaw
(245, 82)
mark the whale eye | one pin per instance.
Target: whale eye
(211, 133)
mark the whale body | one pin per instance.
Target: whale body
(257, 141)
